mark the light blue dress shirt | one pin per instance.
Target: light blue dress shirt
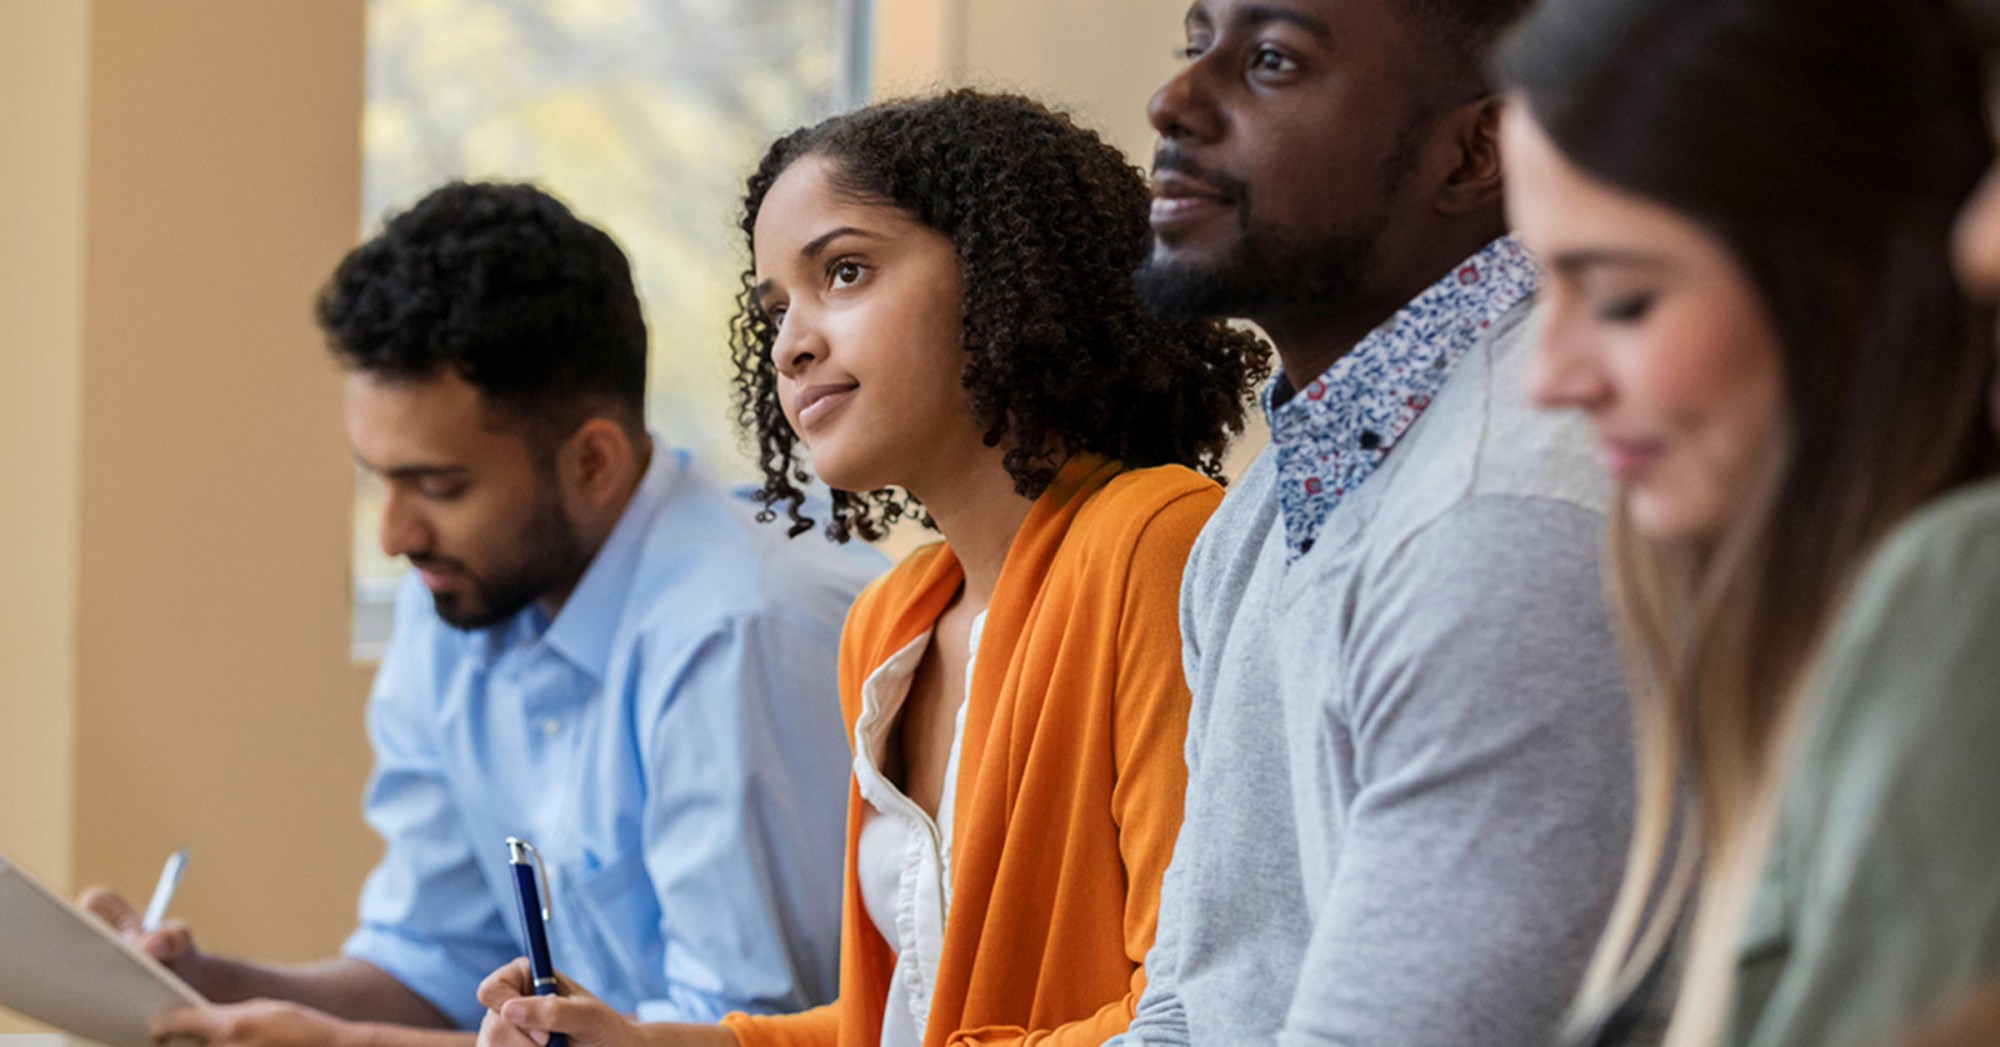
(671, 742)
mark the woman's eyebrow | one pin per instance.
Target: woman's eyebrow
(813, 249)
(1570, 263)
(818, 244)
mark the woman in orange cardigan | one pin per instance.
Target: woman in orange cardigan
(941, 311)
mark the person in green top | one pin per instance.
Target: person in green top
(1881, 894)
(1745, 207)
(1939, 591)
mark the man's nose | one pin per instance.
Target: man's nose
(1184, 106)
(404, 530)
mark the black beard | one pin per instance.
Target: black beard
(1271, 271)
(1265, 273)
(551, 557)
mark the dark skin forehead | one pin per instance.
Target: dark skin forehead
(1252, 15)
(1350, 89)
(1352, 30)
(1362, 43)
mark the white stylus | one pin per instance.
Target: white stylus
(163, 893)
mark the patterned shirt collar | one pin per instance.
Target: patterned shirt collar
(1330, 436)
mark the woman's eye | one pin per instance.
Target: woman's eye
(775, 314)
(1626, 309)
(846, 273)
(1190, 52)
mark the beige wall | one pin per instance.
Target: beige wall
(216, 704)
(1100, 59)
(43, 68)
(42, 78)
(175, 179)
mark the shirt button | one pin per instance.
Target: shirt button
(551, 727)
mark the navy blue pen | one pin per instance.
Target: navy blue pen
(533, 918)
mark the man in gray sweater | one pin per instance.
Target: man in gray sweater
(1409, 754)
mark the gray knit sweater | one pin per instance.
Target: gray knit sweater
(1410, 765)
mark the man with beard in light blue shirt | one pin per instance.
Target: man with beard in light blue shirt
(600, 650)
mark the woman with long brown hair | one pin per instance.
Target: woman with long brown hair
(1746, 207)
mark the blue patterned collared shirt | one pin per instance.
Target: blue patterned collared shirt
(1330, 436)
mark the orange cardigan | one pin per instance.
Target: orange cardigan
(1072, 771)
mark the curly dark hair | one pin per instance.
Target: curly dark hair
(504, 286)
(1049, 223)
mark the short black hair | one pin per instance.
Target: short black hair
(1982, 17)
(1466, 33)
(1049, 222)
(502, 285)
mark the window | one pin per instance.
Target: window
(645, 116)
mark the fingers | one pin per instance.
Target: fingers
(566, 987)
(507, 983)
(254, 1023)
(171, 943)
(583, 1018)
(516, 1017)
(496, 1032)
(110, 906)
(197, 1023)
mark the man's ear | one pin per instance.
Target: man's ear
(1476, 182)
(596, 462)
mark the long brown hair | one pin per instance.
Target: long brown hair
(1829, 146)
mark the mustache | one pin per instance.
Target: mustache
(431, 561)
(1170, 157)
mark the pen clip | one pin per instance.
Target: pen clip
(515, 856)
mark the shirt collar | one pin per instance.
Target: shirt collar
(586, 627)
(1330, 437)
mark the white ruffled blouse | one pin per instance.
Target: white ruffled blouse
(904, 856)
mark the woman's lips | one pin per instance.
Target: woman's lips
(1627, 460)
(819, 401)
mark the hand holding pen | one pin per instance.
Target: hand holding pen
(528, 1003)
(517, 1017)
(166, 940)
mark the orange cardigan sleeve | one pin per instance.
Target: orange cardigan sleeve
(819, 1027)
(1150, 712)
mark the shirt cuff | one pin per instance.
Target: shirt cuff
(425, 968)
